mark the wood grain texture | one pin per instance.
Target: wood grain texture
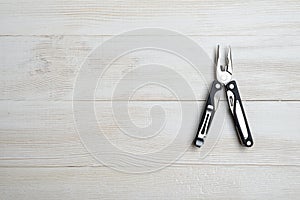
(43, 134)
(108, 17)
(189, 182)
(45, 68)
(43, 45)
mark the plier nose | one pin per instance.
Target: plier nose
(224, 72)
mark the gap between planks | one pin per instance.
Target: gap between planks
(144, 100)
(172, 165)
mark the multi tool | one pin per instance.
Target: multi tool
(224, 76)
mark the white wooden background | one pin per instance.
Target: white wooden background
(43, 43)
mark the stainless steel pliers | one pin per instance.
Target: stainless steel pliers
(224, 76)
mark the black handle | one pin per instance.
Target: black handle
(208, 114)
(238, 113)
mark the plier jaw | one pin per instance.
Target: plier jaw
(224, 72)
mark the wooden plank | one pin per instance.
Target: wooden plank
(45, 68)
(189, 182)
(43, 134)
(112, 17)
